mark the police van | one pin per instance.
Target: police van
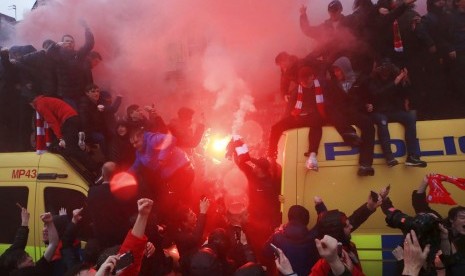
(40, 183)
(442, 144)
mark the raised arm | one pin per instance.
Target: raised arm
(89, 44)
(419, 203)
(70, 256)
(136, 240)
(360, 215)
(22, 233)
(52, 236)
(311, 31)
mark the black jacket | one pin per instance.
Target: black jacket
(71, 67)
(92, 120)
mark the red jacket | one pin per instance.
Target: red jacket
(322, 268)
(54, 111)
(136, 246)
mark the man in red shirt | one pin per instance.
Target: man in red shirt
(64, 121)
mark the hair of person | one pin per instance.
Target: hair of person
(66, 35)
(305, 72)
(453, 212)
(91, 86)
(299, 214)
(219, 241)
(205, 262)
(138, 132)
(121, 122)
(334, 6)
(332, 223)
(130, 109)
(185, 112)
(46, 44)
(282, 56)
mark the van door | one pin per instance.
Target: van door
(51, 197)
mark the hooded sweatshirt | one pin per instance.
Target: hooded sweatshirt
(160, 155)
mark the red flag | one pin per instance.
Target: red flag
(437, 192)
(459, 182)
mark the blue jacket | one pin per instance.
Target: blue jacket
(160, 154)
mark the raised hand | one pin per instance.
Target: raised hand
(144, 206)
(46, 218)
(204, 205)
(77, 216)
(414, 256)
(62, 212)
(25, 215)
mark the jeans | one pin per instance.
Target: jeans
(343, 120)
(408, 120)
(313, 121)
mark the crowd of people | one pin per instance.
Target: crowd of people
(382, 63)
(128, 238)
(374, 66)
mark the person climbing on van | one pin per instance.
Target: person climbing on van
(346, 96)
(302, 111)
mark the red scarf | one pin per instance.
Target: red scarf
(320, 101)
(398, 46)
(437, 191)
(43, 137)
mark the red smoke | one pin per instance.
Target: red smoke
(147, 44)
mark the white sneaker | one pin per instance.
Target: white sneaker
(82, 140)
(311, 162)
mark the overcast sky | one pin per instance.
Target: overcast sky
(22, 6)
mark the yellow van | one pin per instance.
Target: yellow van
(41, 183)
(442, 144)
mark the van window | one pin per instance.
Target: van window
(56, 198)
(10, 213)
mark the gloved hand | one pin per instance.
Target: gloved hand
(62, 143)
